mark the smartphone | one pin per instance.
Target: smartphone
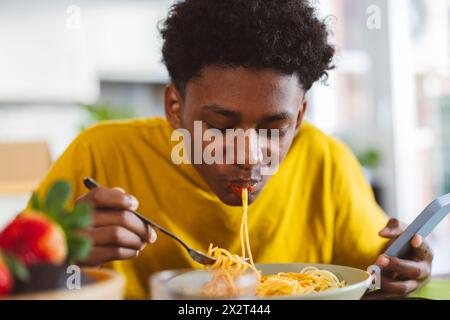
(423, 225)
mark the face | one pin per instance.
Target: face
(239, 98)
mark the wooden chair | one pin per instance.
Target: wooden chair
(22, 166)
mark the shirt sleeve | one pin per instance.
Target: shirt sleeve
(358, 218)
(72, 166)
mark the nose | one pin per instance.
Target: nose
(249, 154)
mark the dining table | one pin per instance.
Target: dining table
(437, 289)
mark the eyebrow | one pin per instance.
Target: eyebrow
(236, 114)
(222, 111)
(278, 117)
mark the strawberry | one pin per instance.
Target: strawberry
(34, 238)
(6, 278)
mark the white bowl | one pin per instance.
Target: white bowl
(357, 281)
(187, 285)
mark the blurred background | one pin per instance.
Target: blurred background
(65, 65)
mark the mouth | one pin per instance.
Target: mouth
(236, 186)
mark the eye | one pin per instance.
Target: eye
(221, 129)
(276, 132)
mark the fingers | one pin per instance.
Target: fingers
(100, 255)
(409, 275)
(421, 250)
(114, 236)
(405, 269)
(112, 243)
(117, 233)
(110, 198)
(392, 229)
(119, 189)
(398, 288)
(392, 289)
(126, 219)
(416, 241)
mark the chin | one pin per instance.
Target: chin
(231, 199)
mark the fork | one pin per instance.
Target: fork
(196, 255)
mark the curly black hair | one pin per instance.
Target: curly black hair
(282, 35)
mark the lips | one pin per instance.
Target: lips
(236, 186)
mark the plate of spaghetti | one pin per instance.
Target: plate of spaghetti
(296, 281)
(237, 276)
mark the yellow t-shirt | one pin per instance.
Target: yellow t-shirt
(317, 208)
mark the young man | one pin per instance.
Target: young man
(236, 64)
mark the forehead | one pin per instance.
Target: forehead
(245, 90)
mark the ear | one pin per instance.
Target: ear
(173, 106)
(301, 114)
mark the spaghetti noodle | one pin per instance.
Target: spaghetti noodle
(229, 266)
(309, 280)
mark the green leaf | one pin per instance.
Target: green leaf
(57, 196)
(80, 217)
(79, 247)
(35, 202)
(17, 268)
